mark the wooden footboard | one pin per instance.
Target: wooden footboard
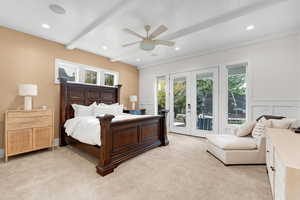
(125, 139)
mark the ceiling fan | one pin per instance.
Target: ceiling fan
(148, 42)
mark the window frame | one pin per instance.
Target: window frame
(80, 73)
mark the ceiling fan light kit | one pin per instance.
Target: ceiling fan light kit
(148, 43)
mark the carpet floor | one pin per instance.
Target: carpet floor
(183, 170)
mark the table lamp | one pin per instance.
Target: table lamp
(133, 99)
(28, 91)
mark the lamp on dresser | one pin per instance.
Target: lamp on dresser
(28, 91)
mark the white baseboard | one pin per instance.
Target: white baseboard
(55, 143)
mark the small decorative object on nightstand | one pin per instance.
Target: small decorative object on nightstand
(27, 131)
(135, 112)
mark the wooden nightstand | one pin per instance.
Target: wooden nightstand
(27, 131)
(135, 112)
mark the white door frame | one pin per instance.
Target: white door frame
(187, 128)
(194, 130)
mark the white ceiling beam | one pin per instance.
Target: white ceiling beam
(119, 7)
(245, 10)
(226, 17)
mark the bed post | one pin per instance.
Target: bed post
(163, 126)
(105, 166)
(63, 98)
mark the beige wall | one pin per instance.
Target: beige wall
(28, 59)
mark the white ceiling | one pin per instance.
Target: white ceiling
(195, 25)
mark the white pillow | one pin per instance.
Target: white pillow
(113, 109)
(82, 111)
(245, 129)
(260, 128)
(282, 123)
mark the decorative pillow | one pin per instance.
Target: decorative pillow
(295, 124)
(260, 128)
(81, 110)
(282, 123)
(113, 109)
(245, 129)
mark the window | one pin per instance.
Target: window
(68, 72)
(109, 79)
(161, 93)
(90, 76)
(79, 73)
(237, 87)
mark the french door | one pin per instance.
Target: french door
(194, 102)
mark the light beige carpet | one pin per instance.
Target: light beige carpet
(183, 170)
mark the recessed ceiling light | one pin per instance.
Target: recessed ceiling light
(46, 26)
(104, 47)
(177, 48)
(138, 59)
(251, 27)
(57, 9)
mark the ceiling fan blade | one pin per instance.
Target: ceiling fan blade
(130, 44)
(133, 33)
(164, 42)
(158, 31)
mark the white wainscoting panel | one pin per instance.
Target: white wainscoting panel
(259, 110)
(150, 110)
(289, 109)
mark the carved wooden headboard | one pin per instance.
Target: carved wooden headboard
(74, 93)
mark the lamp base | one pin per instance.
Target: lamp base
(28, 103)
(133, 105)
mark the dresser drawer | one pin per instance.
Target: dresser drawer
(19, 141)
(22, 114)
(28, 122)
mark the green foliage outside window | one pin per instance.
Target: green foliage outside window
(109, 79)
(90, 77)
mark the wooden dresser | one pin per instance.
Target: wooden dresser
(283, 163)
(27, 131)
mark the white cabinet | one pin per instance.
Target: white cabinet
(270, 162)
(283, 164)
(279, 179)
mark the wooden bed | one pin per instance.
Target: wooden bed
(120, 140)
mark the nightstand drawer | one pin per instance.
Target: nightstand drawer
(19, 141)
(28, 122)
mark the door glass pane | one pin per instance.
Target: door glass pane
(237, 94)
(179, 92)
(205, 101)
(161, 93)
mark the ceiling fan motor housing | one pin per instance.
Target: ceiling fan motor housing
(147, 45)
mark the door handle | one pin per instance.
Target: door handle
(189, 108)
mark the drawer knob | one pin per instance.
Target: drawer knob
(272, 168)
(268, 151)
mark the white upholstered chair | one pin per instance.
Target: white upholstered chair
(233, 150)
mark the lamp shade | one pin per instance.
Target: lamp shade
(133, 98)
(27, 90)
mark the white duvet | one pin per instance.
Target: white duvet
(87, 129)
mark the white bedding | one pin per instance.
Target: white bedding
(87, 129)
